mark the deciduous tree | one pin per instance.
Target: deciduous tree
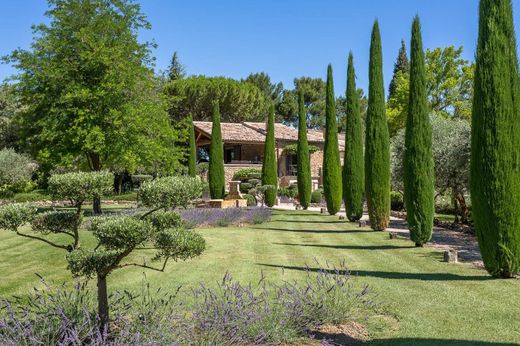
(90, 92)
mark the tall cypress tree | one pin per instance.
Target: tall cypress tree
(401, 65)
(331, 161)
(377, 141)
(353, 170)
(418, 158)
(192, 154)
(495, 141)
(304, 167)
(269, 167)
(216, 157)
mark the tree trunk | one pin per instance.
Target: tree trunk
(463, 208)
(96, 166)
(102, 296)
(120, 183)
(455, 205)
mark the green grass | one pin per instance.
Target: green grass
(445, 217)
(431, 300)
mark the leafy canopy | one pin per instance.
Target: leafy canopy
(195, 96)
(89, 90)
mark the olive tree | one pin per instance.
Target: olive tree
(451, 157)
(75, 187)
(16, 171)
(161, 232)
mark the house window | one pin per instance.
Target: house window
(232, 153)
(291, 165)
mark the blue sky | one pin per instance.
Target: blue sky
(286, 39)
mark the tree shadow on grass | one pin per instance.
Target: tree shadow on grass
(392, 275)
(318, 221)
(351, 247)
(312, 230)
(436, 342)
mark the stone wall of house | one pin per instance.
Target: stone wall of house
(316, 164)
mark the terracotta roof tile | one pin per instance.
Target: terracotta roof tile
(254, 132)
(232, 132)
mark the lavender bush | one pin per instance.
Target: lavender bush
(229, 314)
(197, 217)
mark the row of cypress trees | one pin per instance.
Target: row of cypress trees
(373, 178)
(495, 160)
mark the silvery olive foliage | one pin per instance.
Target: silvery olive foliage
(79, 187)
(14, 216)
(16, 170)
(170, 192)
(451, 155)
(161, 232)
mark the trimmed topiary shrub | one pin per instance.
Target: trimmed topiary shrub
(316, 196)
(79, 187)
(170, 192)
(251, 200)
(246, 173)
(245, 187)
(396, 201)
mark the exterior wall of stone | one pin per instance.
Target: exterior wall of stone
(253, 151)
(316, 164)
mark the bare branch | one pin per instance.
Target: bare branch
(64, 247)
(149, 212)
(146, 266)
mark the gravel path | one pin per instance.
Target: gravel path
(442, 238)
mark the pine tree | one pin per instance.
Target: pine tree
(216, 157)
(377, 141)
(269, 167)
(192, 153)
(353, 170)
(401, 66)
(495, 141)
(418, 157)
(304, 167)
(176, 70)
(331, 162)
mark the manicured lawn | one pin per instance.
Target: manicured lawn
(430, 301)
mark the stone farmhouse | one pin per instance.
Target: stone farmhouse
(244, 148)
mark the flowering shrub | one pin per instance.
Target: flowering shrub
(230, 314)
(197, 217)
